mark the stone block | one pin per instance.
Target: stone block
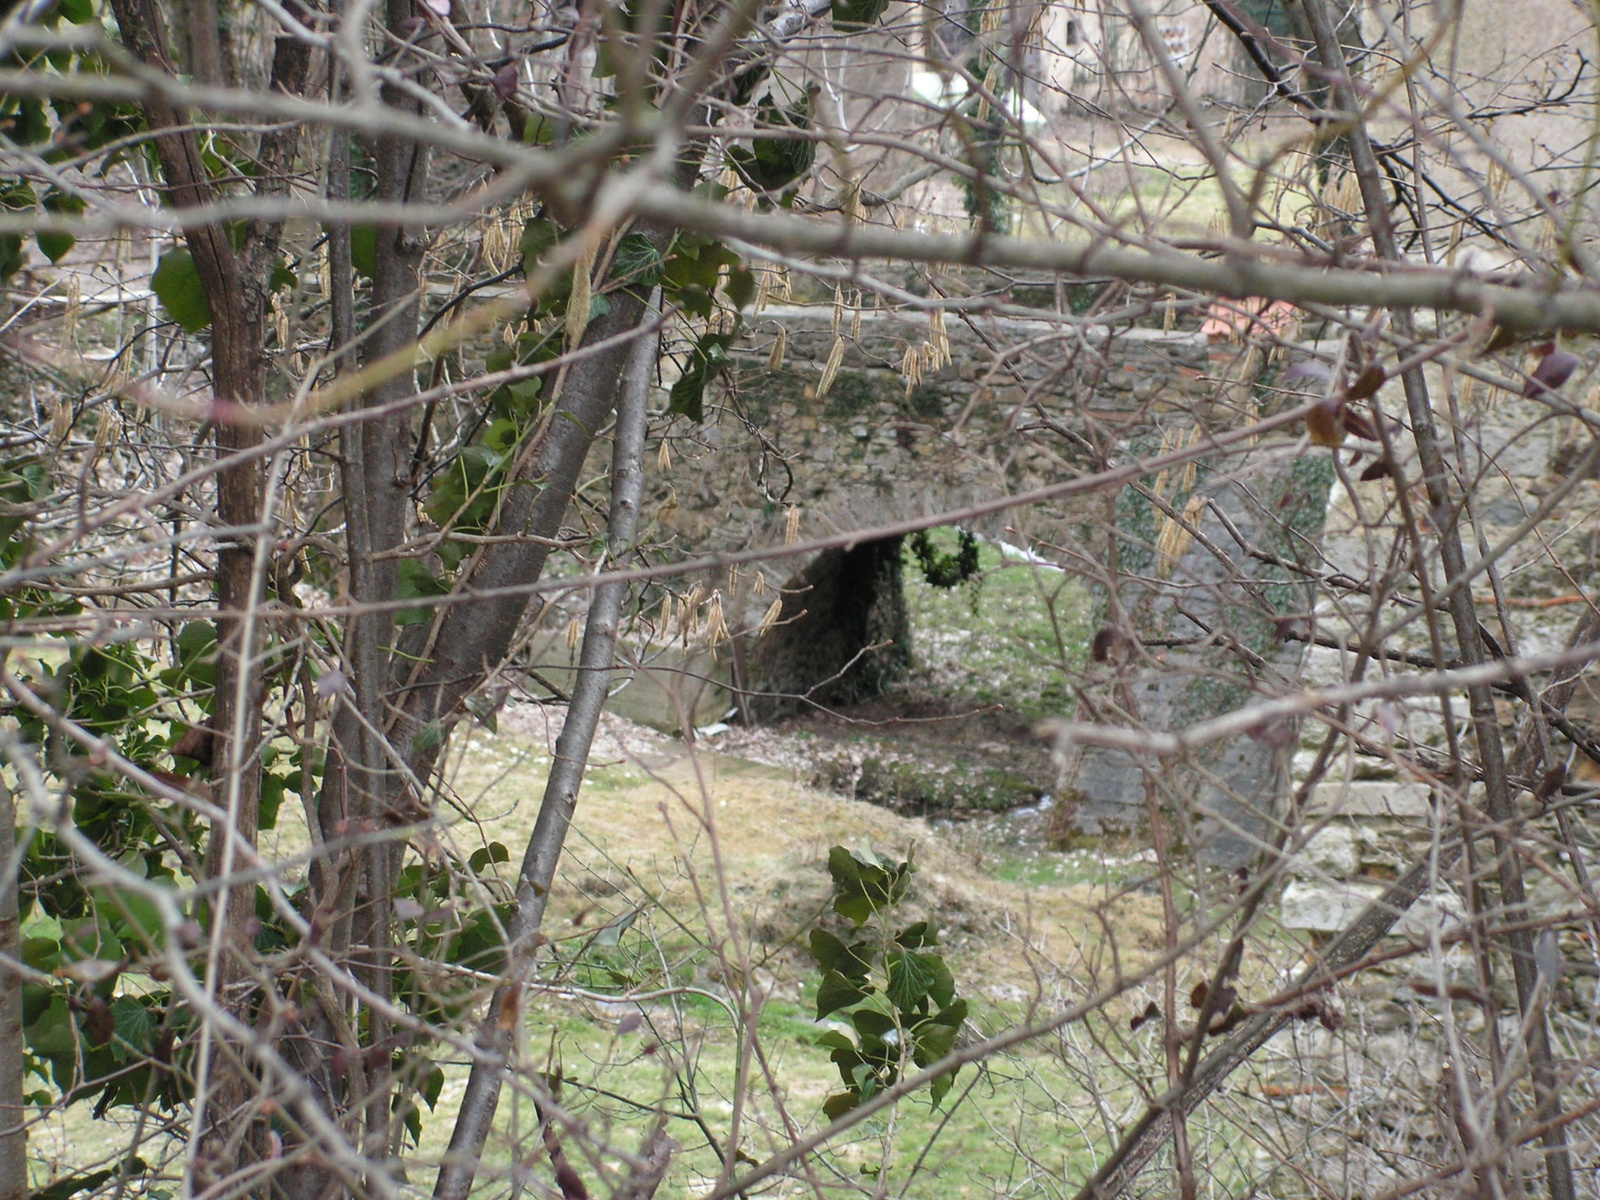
(1328, 907)
(1325, 907)
(1370, 798)
(1330, 852)
(1438, 911)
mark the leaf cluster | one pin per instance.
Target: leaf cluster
(892, 986)
(941, 568)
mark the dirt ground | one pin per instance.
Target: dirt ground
(659, 809)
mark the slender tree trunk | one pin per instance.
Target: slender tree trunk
(362, 792)
(469, 639)
(498, 1030)
(377, 499)
(13, 1129)
(237, 299)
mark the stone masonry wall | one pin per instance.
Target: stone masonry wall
(1019, 405)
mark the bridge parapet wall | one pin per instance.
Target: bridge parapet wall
(1019, 404)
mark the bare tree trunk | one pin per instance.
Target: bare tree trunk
(467, 640)
(13, 1057)
(498, 1030)
(362, 792)
(236, 290)
(377, 499)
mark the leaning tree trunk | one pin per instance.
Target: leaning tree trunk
(496, 1037)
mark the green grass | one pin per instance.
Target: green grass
(1014, 635)
(683, 1061)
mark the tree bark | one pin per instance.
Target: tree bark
(497, 1031)
(237, 297)
(13, 1056)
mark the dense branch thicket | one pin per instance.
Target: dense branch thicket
(350, 349)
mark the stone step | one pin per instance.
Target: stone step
(1370, 798)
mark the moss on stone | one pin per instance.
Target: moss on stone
(927, 401)
(922, 789)
(854, 392)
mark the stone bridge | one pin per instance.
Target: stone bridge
(921, 417)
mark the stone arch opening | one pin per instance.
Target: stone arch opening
(842, 634)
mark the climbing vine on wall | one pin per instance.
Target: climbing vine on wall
(942, 568)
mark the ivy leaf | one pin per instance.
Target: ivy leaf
(54, 1032)
(706, 362)
(176, 283)
(486, 856)
(844, 866)
(933, 1042)
(12, 259)
(54, 246)
(911, 975)
(740, 288)
(690, 273)
(953, 1015)
(836, 992)
(429, 737)
(272, 789)
(839, 1103)
(862, 886)
(417, 581)
(539, 236)
(914, 937)
(876, 1031)
(282, 277)
(637, 262)
(853, 961)
(432, 1087)
(135, 1028)
(942, 991)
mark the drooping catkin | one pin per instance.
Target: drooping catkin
(830, 369)
(770, 617)
(911, 368)
(716, 622)
(938, 338)
(580, 299)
